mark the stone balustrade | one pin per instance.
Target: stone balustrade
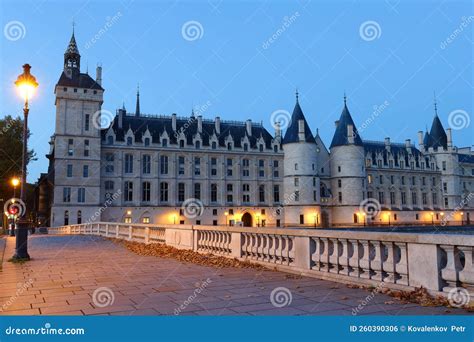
(438, 262)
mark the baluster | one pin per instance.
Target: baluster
(450, 273)
(466, 276)
(388, 262)
(364, 261)
(343, 259)
(324, 255)
(376, 261)
(401, 263)
(316, 257)
(333, 254)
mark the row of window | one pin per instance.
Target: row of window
(403, 198)
(196, 165)
(413, 179)
(81, 195)
(181, 192)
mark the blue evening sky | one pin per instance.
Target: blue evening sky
(240, 71)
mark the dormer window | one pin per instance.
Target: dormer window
(275, 148)
(110, 140)
(198, 145)
(214, 145)
(164, 142)
(181, 143)
(129, 141)
(229, 146)
(147, 141)
(261, 148)
(246, 147)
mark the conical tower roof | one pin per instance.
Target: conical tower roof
(291, 134)
(340, 135)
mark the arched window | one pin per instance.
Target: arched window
(66, 218)
(79, 217)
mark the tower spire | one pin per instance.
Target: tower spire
(297, 95)
(435, 103)
(137, 108)
(345, 98)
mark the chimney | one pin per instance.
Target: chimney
(173, 122)
(277, 130)
(408, 143)
(420, 140)
(199, 123)
(301, 133)
(218, 125)
(350, 134)
(248, 127)
(98, 75)
(121, 114)
(449, 134)
(336, 123)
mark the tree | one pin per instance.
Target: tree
(11, 149)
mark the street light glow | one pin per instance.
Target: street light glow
(26, 84)
(15, 182)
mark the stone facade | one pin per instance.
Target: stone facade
(191, 170)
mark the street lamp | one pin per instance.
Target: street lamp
(226, 214)
(15, 182)
(26, 85)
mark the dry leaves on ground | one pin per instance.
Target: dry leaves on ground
(164, 251)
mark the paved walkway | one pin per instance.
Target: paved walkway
(80, 275)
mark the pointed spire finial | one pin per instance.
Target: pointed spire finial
(137, 108)
(73, 26)
(435, 103)
(345, 98)
(123, 105)
(297, 95)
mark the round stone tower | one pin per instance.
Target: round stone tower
(348, 176)
(301, 184)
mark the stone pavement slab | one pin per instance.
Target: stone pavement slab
(89, 275)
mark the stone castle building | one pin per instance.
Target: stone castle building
(192, 170)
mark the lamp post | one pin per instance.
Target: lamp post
(462, 216)
(226, 221)
(15, 182)
(26, 85)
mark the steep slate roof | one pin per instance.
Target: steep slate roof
(466, 158)
(340, 135)
(395, 148)
(158, 124)
(427, 141)
(291, 134)
(437, 134)
(79, 81)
